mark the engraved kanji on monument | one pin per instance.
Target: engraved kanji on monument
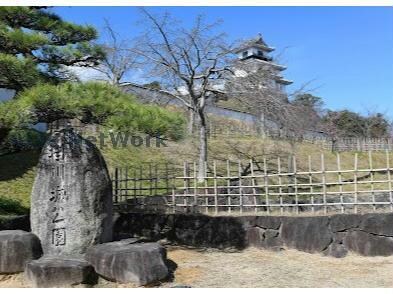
(71, 202)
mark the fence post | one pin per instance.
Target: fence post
(295, 184)
(156, 193)
(150, 180)
(280, 184)
(135, 181)
(254, 192)
(141, 193)
(166, 178)
(370, 163)
(266, 185)
(126, 184)
(173, 200)
(340, 182)
(228, 186)
(116, 185)
(215, 187)
(389, 180)
(195, 176)
(323, 167)
(240, 187)
(310, 181)
(355, 180)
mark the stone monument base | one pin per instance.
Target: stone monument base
(52, 272)
(16, 249)
(129, 261)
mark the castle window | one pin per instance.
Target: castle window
(245, 53)
(260, 53)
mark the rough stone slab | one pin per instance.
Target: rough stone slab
(268, 222)
(309, 234)
(379, 224)
(16, 249)
(336, 250)
(368, 244)
(343, 222)
(50, 272)
(262, 238)
(248, 221)
(255, 236)
(128, 261)
(217, 232)
(71, 202)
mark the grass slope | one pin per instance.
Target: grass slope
(17, 170)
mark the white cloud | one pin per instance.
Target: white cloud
(87, 73)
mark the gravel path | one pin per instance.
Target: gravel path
(261, 268)
(290, 268)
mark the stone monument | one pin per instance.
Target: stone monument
(71, 202)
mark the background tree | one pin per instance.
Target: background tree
(376, 125)
(346, 123)
(38, 46)
(343, 123)
(257, 93)
(120, 58)
(254, 90)
(187, 63)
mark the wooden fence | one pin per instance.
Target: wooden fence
(272, 186)
(334, 144)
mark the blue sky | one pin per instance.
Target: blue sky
(346, 51)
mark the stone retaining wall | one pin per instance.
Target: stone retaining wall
(336, 235)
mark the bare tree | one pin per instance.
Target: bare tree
(256, 90)
(376, 123)
(189, 63)
(119, 60)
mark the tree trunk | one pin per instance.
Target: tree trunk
(202, 146)
(191, 116)
(261, 125)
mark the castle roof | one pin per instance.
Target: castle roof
(256, 42)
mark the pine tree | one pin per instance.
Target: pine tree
(37, 46)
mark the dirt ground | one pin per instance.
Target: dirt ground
(261, 268)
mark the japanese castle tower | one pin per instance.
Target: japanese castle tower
(254, 53)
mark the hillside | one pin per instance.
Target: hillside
(17, 170)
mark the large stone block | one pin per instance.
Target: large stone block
(336, 250)
(309, 234)
(149, 225)
(264, 238)
(368, 244)
(268, 222)
(128, 261)
(255, 236)
(50, 272)
(16, 249)
(378, 224)
(71, 202)
(343, 222)
(217, 232)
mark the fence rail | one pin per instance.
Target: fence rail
(270, 186)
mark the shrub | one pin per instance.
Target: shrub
(11, 207)
(24, 140)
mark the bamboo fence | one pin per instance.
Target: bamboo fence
(272, 186)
